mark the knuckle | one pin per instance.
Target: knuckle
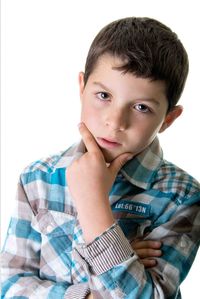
(89, 138)
(95, 158)
(150, 252)
(150, 243)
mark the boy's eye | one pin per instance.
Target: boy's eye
(103, 96)
(142, 108)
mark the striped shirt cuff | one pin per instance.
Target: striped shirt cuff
(108, 250)
(77, 291)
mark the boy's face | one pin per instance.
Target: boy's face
(123, 112)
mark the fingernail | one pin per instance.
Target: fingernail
(153, 262)
(129, 158)
(159, 252)
(80, 125)
(158, 244)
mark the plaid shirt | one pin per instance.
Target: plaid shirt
(45, 256)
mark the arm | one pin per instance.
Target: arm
(128, 277)
(91, 173)
(147, 251)
(21, 260)
(90, 296)
(114, 267)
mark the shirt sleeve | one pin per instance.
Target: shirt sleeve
(20, 261)
(116, 272)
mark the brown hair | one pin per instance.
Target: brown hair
(149, 49)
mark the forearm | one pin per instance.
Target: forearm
(89, 296)
(94, 218)
(113, 269)
(90, 180)
(108, 260)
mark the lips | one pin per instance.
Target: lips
(108, 143)
(110, 140)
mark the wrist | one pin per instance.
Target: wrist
(95, 221)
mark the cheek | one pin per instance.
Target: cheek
(153, 126)
(144, 134)
(89, 117)
(150, 133)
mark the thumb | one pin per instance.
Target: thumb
(119, 162)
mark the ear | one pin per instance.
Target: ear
(171, 117)
(81, 83)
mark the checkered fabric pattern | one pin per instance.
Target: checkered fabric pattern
(45, 256)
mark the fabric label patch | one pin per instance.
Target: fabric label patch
(132, 207)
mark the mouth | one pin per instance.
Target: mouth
(108, 143)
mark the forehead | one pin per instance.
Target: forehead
(112, 61)
(108, 72)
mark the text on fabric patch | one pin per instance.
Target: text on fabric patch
(132, 207)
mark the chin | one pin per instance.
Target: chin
(108, 156)
(109, 160)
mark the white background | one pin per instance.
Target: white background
(44, 46)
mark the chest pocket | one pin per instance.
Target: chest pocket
(56, 231)
(133, 217)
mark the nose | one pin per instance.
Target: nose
(116, 119)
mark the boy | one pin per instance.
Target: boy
(90, 222)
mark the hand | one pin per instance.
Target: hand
(90, 173)
(147, 250)
(90, 296)
(90, 180)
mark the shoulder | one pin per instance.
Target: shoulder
(50, 163)
(44, 181)
(45, 169)
(45, 164)
(173, 179)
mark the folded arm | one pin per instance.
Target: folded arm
(115, 273)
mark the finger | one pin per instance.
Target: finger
(138, 244)
(119, 162)
(88, 138)
(148, 252)
(148, 263)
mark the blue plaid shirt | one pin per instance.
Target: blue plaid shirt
(45, 255)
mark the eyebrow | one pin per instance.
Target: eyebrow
(140, 99)
(150, 100)
(101, 85)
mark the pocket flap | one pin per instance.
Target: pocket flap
(54, 223)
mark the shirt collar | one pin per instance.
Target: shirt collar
(140, 171)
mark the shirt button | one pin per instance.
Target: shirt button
(183, 243)
(49, 229)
